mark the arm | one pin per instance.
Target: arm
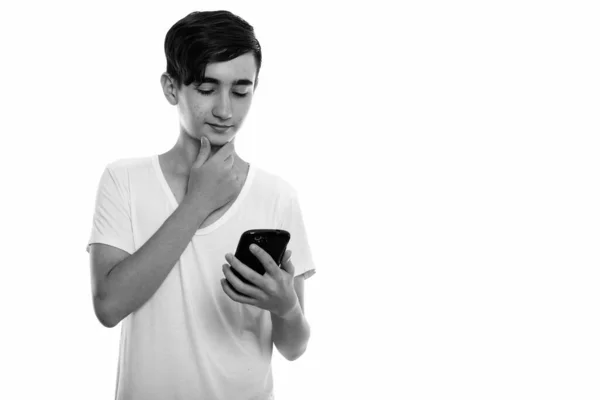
(131, 282)
(276, 291)
(292, 332)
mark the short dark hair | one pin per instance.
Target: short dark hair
(203, 37)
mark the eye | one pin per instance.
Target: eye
(205, 92)
(240, 94)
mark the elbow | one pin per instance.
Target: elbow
(292, 354)
(106, 322)
(296, 355)
(103, 315)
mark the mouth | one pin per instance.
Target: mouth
(220, 127)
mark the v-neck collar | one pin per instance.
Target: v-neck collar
(226, 216)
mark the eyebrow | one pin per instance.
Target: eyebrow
(245, 82)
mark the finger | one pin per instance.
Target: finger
(266, 260)
(242, 287)
(287, 264)
(225, 151)
(287, 255)
(245, 271)
(235, 296)
(204, 152)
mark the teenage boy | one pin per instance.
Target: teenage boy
(163, 226)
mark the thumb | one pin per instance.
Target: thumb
(204, 152)
(286, 264)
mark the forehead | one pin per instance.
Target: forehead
(242, 67)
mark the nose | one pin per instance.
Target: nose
(222, 108)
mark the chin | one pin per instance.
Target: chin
(219, 140)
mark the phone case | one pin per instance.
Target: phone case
(273, 241)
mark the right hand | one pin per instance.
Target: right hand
(212, 180)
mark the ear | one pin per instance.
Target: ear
(169, 88)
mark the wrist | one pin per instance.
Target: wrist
(291, 312)
(196, 208)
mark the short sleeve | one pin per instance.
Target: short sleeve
(293, 222)
(112, 222)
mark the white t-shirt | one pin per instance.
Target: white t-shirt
(190, 340)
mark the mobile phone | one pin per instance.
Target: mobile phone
(273, 241)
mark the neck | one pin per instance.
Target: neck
(185, 153)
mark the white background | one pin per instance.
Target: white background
(447, 159)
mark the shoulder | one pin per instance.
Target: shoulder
(119, 174)
(129, 163)
(121, 168)
(273, 182)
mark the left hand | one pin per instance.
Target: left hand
(273, 291)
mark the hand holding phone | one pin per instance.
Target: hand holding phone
(273, 241)
(274, 292)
